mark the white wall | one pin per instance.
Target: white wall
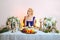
(18, 8)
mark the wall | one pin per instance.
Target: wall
(18, 8)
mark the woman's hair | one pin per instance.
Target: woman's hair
(30, 10)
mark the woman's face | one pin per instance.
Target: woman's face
(30, 12)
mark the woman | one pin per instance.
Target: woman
(29, 20)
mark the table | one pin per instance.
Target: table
(21, 36)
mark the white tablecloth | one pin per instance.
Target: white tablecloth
(21, 36)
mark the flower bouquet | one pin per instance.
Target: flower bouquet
(13, 23)
(49, 24)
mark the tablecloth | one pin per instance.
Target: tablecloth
(22, 36)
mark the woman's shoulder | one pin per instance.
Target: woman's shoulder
(25, 17)
(33, 16)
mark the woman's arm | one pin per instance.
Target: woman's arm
(24, 21)
(34, 22)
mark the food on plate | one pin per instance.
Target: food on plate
(28, 30)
